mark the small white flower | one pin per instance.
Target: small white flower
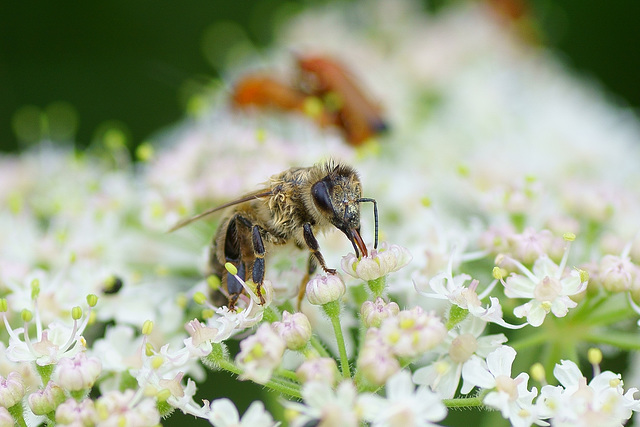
(328, 407)
(199, 343)
(260, 354)
(443, 375)
(509, 395)
(548, 288)
(404, 404)
(223, 413)
(447, 286)
(574, 402)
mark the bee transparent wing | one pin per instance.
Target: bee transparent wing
(243, 199)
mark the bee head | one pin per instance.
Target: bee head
(337, 196)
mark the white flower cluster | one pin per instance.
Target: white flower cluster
(517, 245)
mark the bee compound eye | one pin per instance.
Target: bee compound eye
(321, 196)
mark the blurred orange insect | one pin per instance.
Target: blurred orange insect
(343, 102)
(264, 91)
(357, 115)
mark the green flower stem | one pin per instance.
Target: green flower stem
(622, 340)
(462, 403)
(286, 373)
(332, 309)
(610, 316)
(532, 340)
(17, 412)
(282, 386)
(358, 294)
(377, 286)
(317, 345)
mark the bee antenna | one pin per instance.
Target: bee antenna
(375, 216)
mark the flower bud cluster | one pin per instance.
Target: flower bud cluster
(412, 332)
(525, 247)
(377, 361)
(374, 312)
(404, 334)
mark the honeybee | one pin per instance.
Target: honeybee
(294, 205)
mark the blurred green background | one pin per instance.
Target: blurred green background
(133, 64)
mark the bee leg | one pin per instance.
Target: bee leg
(313, 246)
(258, 264)
(311, 268)
(233, 255)
(257, 271)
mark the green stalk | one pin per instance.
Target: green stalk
(317, 345)
(463, 403)
(282, 386)
(17, 412)
(332, 309)
(377, 286)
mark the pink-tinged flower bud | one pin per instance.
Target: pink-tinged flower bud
(376, 361)
(322, 369)
(76, 413)
(11, 389)
(325, 289)
(380, 262)
(295, 329)
(617, 274)
(6, 420)
(374, 312)
(46, 400)
(531, 244)
(78, 373)
(260, 354)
